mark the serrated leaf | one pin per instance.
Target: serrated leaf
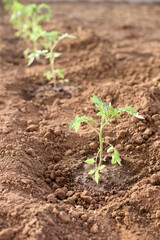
(97, 177)
(90, 161)
(91, 172)
(101, 167)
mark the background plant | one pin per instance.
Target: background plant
(106, 113)
(50, 41)
(26, 21)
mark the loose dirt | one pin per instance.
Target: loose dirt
(45, 191)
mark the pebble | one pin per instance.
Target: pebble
(64, 217)
(56, 158)
(109, 139)
(7, 234)
(82, 152)
(122, 134)
(155, 117)
(60, 193)
(137, 138)
(147, 132)
(57, 132)
(32, 128)
(93, 145)
(31, 152)
(155, 179)
(51, 198)
(68, 152)
(52, 174)
(94, 228)
(119, 147)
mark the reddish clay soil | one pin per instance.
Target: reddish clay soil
(45, 191)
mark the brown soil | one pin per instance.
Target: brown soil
(45, 192)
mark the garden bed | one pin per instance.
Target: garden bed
(45, 191)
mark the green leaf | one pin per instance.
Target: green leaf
(111, 149)
(91, 172)
(76, 126)
(97, 177)
(101, 167)
(90, 161)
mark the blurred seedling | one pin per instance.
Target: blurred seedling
(50, 41)
(106, 113)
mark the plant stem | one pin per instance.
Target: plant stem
(101, 142)
(52, 67)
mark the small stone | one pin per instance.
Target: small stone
(128, 147)
(57, 132)
(137, 138)
(51, 198)
(148, 132)
(60, 193)
(52, 175)
(68, 152)
(82, 152)
(87, 199)
(32, 128)
(64, 217)
(155, 179)
(109, 139)
(93, 145)
(119, 147)
(158, 214)
(94, 228)
(56, 158)
(31, 152)
(122, 134)
(155, 117)
(7, 234)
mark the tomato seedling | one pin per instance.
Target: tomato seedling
(106, 113)
(26, 20)
(50, 41)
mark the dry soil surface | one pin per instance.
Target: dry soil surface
(45, 191)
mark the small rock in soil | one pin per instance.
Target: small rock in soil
(122, 134)
(155, 179)
(57, 132)
(94, 228)
(155, 117)
(137, 138)
(31, 152)
(51, 198)
(148, 132)
(32, 128)
(7, 234)
(52, 175)
(119, 147)
(93, 145)
(64, 217)
(60, 193)
(68, 152)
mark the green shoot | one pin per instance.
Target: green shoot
(106, 113)
(50, 41)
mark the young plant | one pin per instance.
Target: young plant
(50, 41)
(26, 20)
(8, 4)
(106, 113)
